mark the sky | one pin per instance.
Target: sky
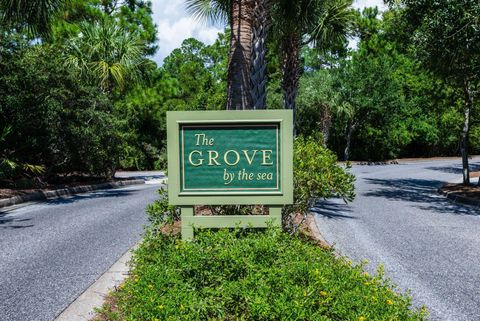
(174, 25)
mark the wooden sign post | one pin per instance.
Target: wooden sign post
(229, 158)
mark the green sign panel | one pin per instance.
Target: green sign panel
(230, 158)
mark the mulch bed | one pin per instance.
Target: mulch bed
(472, 191)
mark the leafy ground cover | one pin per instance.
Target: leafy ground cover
(260, 275)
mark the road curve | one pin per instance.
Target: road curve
(426, 243)
(51, 252)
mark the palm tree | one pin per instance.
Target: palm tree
(106, 54)
(35, 15)
(307, 22)
(246, 63)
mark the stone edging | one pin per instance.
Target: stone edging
(460, 198)
(45, 195)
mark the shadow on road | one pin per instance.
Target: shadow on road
(333, 209)
(454, 169)
(6, 222)
(10, 222)
(420, 191)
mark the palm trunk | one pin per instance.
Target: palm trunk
(239, 62)
(261, 25)
(466, 128)
(291, 68)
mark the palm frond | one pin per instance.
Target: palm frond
(35, 15)
(210, 11)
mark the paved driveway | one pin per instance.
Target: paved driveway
(427, 243)
(50, 252)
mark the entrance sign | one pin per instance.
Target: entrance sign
(230, 157)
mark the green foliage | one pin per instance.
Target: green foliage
(387, 100)
(36, 16)
(134, 16)
(66, 97)
(106, 54)
(201, 72)
(317, 175)
(55, 120)
(316, 103)
(10, 167)
(446, 36)
(193, 77)
(251, 276)
(160, 212)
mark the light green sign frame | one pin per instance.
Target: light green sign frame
(175, 121)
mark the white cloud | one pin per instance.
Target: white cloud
(175, 25)
(360, 4)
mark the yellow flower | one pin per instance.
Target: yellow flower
(389, 302)
(160, 306)
(361, 318)
(150, 286)
(366, 273)
(323, 293)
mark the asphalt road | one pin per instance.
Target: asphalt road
(51, 252)
(426, 243)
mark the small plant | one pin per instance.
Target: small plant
(160, 212)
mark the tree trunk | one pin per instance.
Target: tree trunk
(351, 128)
(291, 68)
(466, 128)
(325, 124)
(261, 25)
(239, 62)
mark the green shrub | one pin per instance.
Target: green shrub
(160, 212)
(56, 121)
(316, 175)
(251, 276)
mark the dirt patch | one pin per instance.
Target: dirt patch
(470, 191)
(474, 174)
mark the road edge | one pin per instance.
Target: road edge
(83, 307)
(46, 195)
